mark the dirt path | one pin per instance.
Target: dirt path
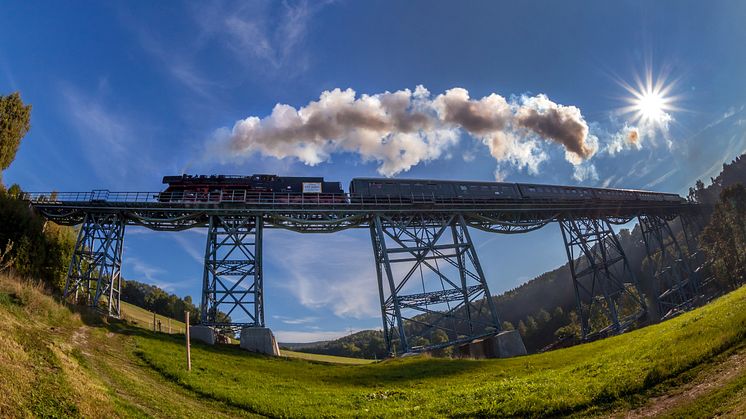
(705, 382)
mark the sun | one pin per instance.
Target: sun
(650, 102)
(650, 106)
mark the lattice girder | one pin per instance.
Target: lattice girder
(96, 263)
(232, 281)
(435, 253)
(674, 283)
(602, 278)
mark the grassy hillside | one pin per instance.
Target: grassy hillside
(54, 362)
(144, 318)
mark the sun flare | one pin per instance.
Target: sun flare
(651, 102)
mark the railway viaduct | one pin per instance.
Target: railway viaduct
(428, 271)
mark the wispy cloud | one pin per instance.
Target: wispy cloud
(296, 320)
(660, 179)
(108, 141)
(190, 246)
(339, 275)
(147, 271)
(264, 36)
(293, 336)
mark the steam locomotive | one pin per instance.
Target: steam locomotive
(254, 188)
(282, 189)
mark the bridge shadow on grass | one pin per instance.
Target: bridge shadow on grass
(398, 371)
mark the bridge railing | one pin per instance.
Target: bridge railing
(264, 199)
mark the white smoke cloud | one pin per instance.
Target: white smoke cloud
(402, 129)
(628, 137)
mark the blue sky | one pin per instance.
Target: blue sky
(125, 93)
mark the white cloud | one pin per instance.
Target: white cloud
(584, 172)
(402, 129)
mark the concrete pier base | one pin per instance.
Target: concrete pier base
(505, 344)
(259, 339)
(203, 334)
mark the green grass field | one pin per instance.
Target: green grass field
(144, 318)
(559, 382)
(54, 362)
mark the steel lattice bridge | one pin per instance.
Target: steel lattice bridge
(429, 275)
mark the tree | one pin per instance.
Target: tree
(724, 238)
(15, 191)
(15, 121)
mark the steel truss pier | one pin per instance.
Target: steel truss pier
(607, 294)
(232, 281)
(674, 282)
(429, 279)
(94, 277)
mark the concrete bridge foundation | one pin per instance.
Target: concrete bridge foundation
(259, 339)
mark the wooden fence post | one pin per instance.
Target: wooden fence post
(188, 346)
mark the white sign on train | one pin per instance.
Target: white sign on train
(311, 187)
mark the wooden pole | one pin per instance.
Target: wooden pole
(188, 346)
(154, 321)
(169, 325)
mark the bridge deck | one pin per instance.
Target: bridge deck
(327, 213)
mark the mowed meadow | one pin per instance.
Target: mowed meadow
(64, 363)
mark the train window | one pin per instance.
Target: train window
(462, 187)
(376, 185)
(531, 189)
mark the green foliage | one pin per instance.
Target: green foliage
(724, 238)
(39, 249)
(366, 344)
(14, 191)
(15, 121)
(159, 301)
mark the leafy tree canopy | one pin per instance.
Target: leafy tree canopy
(15, 121)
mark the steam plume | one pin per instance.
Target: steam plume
(404, 128)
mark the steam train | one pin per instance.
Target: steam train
(256, 188)
(282, 189)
